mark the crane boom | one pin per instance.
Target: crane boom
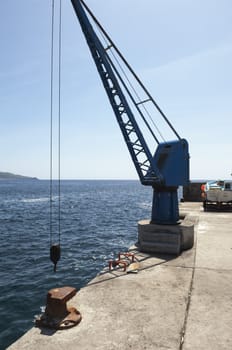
(168, 167)
(126, 121)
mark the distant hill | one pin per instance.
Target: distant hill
(10, 176)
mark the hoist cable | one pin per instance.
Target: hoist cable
(145, 109)
(130, 69)
(130, 95)
(133, 89)
(59, 120)
(55, 248)
(136, 105)
(51, 119)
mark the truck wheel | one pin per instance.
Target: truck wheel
(204, 205)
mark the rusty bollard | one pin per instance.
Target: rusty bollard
(57, 315)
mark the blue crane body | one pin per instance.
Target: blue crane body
(168, 167)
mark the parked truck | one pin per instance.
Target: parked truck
(217, 194)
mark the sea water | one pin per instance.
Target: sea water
(96, 220)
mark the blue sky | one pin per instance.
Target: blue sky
(182, 51)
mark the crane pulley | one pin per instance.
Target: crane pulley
(168, 167)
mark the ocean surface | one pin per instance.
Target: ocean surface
(97, 220)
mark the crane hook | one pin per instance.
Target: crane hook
(55, 254)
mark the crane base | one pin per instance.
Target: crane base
(166, 239)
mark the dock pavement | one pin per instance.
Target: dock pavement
(174, 302)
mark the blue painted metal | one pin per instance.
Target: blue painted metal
(165, 206)
(169, 167)
(172, 160)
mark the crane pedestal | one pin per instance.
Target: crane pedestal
(165, 206)
(166, 239)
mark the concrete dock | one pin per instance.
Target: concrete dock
(182, 302)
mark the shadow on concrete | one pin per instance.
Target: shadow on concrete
(139, 257)
(47, 331)
(214, 208)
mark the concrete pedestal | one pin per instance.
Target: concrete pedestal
(166, 239)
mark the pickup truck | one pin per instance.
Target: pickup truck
(217, 194)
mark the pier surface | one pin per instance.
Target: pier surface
(181, 303)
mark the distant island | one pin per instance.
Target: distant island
(10, 176)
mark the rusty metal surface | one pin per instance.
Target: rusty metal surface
(57, 315)
(63, 294)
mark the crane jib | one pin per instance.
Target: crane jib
(139, 151)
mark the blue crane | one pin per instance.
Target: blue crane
(168, 167)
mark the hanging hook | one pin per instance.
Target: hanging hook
(55, 254)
